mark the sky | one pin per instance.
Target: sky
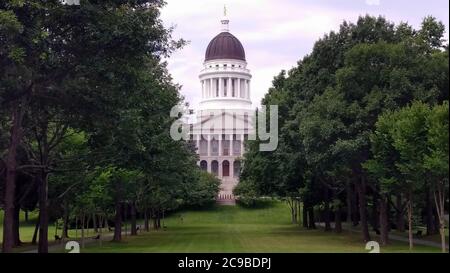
(275, 34)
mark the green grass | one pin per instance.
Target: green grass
(235, 229)
(27, 230)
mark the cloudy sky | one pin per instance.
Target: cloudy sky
(274, 33)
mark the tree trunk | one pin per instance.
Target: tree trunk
(158, 222)
(125, 218)
(440, 209)
(65, 230)
(305, 216)
(375, 214)
(355, 205)
(327, 210)
(36, 230)
(312, 223)
(384, 221)
(410, 232)
(16, 227)
(118, 222)
(43, 212)
(362, 208)
(118, 217)
(400, 215)
(83, 223)
(146, 224)
(133, 219)
(88, 220)
(348, 191)
(26, 216)
(94, 222)
(76, 227)
(337, 220)
(431, 230)
(10, 181)
(155, 225)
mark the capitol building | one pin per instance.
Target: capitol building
(224, 116)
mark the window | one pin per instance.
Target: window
(204, 165)
(215, 167)
(236, 168)
(225, 147)
(214, 147)
(226, 168)
(236, 147)
(203, 149)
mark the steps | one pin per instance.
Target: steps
(226, 202)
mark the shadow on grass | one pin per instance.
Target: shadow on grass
(259, 203)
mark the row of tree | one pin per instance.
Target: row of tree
(347, 144)
(85, 99)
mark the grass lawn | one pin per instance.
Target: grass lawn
(237, 229)
(27, 230)
(233, 229)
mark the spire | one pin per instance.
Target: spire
(225, 20)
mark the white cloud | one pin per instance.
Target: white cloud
(373, 2)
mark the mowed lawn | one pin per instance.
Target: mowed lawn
(238, 229)
(27, 231)
(229, 229)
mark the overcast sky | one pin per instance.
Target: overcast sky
(275, 33)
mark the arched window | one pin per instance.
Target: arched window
(225, 168)
(204, 165)
(215, 167)
(236, 168)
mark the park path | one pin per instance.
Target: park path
(392, 236)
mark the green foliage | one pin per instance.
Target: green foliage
(337, 109)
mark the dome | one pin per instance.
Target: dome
(225, 46)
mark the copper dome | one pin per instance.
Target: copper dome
(225, 46)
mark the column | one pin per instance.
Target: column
(232, 145)
(210, 88)
(208, 168)
(220, 168)
(242, 145)
(238, 83)
(232, 169)
(220, 87)
(248, 89)
(203, 89)
(208, 140)
(229, 87)
(198, 143)
(220, 145)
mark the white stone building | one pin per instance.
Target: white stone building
(225, 114)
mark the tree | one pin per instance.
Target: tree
(404, 150)
(436, 159)
(55, 77)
